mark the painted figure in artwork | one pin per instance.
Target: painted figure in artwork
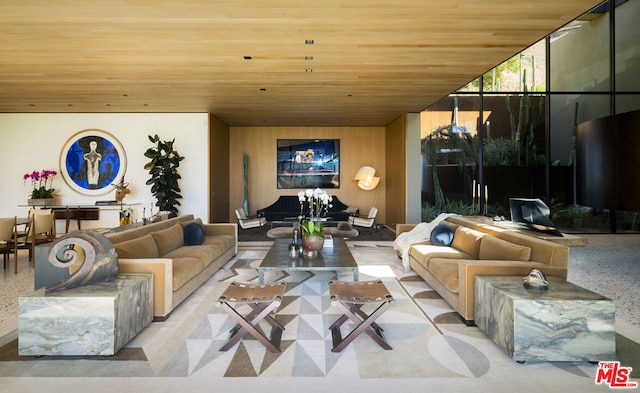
(92, 160)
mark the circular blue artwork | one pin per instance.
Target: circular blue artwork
(92, 161)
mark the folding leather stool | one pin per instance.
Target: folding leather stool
(349, 297)
(262, 298)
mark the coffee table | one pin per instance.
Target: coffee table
(337, 258)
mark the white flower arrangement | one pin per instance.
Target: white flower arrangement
(319, 201)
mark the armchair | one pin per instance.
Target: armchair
(365, 221)
(42, 229)
(249, 222)
(8, 243)
(32, 212)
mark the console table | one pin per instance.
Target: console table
(564, 323)
(82, 212)
(566, 239)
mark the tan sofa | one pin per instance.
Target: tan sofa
(481, 249)
(177, 269)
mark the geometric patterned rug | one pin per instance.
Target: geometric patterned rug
(306, 314)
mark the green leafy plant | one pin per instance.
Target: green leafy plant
(457, 207)
(311, 228)
(163, 169)
(428, 212)
(500, 152)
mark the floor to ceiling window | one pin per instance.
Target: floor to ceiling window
(512, 131)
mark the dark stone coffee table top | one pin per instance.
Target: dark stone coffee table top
(336, 258)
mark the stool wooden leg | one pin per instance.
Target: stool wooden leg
(365, 324)
(244, 326)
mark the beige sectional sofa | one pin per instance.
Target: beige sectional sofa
(177, 269)
(479, 249)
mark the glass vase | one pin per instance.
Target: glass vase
(313, 242)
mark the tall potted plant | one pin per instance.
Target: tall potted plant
(163, 169)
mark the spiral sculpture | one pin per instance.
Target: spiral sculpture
(92, 251)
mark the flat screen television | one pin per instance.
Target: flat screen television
(308, 163)
(532, 214)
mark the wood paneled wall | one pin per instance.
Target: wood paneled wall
(358, 146)
(219, 171)
(396, 171)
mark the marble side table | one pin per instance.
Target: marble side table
(564, 323)
(91, 320)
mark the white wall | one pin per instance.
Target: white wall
(33, 142)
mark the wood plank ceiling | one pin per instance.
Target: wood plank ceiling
(247, 61)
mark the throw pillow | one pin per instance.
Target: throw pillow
(141, 247)
(168, 239)
(467, 240)
(493, 248)
(193, 234)
(441, 235)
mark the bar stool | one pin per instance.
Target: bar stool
(349, 297)
(262, 298)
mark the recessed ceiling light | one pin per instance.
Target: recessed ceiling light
(308, 57)
(247, 57)
(308, 42)
(308, 70)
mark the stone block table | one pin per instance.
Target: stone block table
(97, 319)
(564, 323)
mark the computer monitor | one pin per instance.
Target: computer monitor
(532, 213)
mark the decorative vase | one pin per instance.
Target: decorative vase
(313, 242)
(41, 201)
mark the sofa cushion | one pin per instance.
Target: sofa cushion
(225, 242)
(441, 235)
(193, 234)
(446, 271)
(141, 247)
(423, 253)
(205, 253)
(184, 269)
(493, 248)
(168, 239)
(467, 240)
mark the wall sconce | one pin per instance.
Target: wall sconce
(366, 178)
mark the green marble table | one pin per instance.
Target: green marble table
(564, 323)
(91, 320)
